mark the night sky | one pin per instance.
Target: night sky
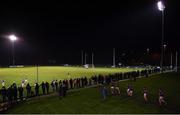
(58, 31)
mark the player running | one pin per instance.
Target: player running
(130, 91)
(161, 97)
(145, 94)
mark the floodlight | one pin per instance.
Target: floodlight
(12, 37)
(161, 6)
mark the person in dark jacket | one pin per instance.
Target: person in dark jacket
(43, 87)
(71, 83)
(78, 83)
(20, 89)
(4, 93)
(37, 89)
(28, 89)
(47, 87)
(56, 85)
(64, 88)
(60, 82)
(67, 84)
(15, 91)
(60, 92)
(53, 85)
(85, 81)
(10, 94)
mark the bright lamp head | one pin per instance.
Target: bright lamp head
(12, 37)
(161, 6)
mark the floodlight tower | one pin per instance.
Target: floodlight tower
(12, 38)
(164, 46)
(176, 61)
(114, 57)
(82, 55)
(161, 8)
(92, 60)
(85, 58)
(171, 66)
(147, 50)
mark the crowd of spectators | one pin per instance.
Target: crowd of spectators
(14, 93)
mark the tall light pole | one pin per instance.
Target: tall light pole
(92, 60)
(85, 58)
(147, 55)
(161, 8)
(148, 51)
(114, 57)
(82, 59)
(176, 61)
(13, 38)
(171, 66)
(164, 46)
(37, 73)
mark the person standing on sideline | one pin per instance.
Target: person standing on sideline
(47, 87)
(10, 94)
(4, 93)
(56, 85)
(43, 87)
(3, 83)
(71, 83)
(60, 91)
(37, 89)
(28, 89)
(20, 89)
(15, 92)
(64, 88)
(53, 85)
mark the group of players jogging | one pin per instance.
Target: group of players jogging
(161, 100)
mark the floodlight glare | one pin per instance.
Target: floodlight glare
(161, 6)
(164, 45)
(12, 37)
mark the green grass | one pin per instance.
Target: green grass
(49, 73)
(89, 100)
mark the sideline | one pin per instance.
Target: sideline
(96, 85)
(74, 90)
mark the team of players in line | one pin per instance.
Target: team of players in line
(115, 90)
